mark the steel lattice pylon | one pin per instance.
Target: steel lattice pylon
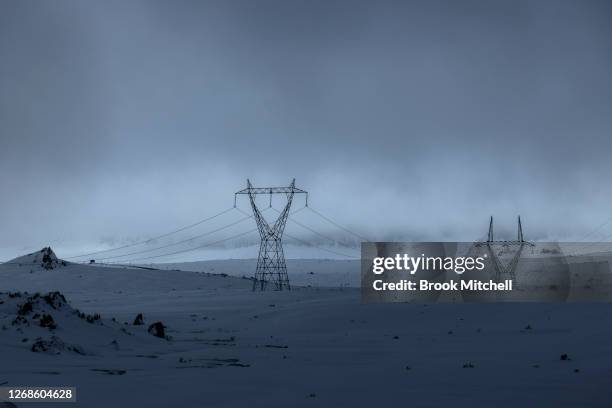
(508, 270)
(271, 267)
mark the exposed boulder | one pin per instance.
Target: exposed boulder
(139, 320)
(158, 330)
(54, 345)
(55, 299)
(47, 321)
(37, 307)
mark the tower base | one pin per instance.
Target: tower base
(271, 272)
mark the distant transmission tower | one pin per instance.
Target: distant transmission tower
(505, 271)
(271, 267)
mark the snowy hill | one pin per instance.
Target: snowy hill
(47, 323)
(45, 259)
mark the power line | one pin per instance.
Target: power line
(586, 246)
(310, 229)
(589, 245)
(338, 225)
(179, 242)
(156, 237)
(596, 229)
(194, 248)
(117, 264)
(190, 239)
(321, 248)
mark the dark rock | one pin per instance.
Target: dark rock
(157, 329)
(238, 365)
(54, 345)
(279, 346)
(25, 308)
(48, 322)
(109, 372)
(49, 259)
(89, 318)
(139, 320)
(55, 299)
(19, 320)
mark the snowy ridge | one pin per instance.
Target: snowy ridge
(45, 259)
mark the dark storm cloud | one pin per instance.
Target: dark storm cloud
(403, 119)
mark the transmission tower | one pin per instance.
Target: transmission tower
(508, 270)
(271, 267)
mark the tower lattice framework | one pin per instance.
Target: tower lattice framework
(508, 270)
(271, 271)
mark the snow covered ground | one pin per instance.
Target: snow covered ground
(317, 346)
(304, 272)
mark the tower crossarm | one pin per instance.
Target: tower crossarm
(271, 190)
(253, 191)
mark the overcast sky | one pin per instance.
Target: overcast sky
(404, 120)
